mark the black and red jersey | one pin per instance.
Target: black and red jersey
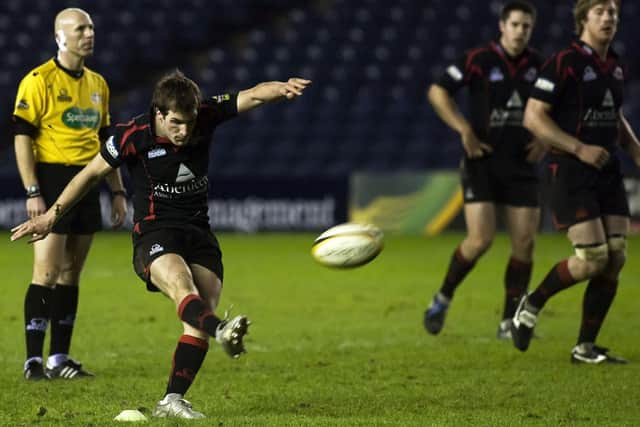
(499, 87)
(585, 93)
(170, 183)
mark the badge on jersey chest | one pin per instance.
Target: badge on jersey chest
(63, 96)
(496, 75)
(531, 75)
(618, 74)
(589, 74)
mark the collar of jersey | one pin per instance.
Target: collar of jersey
(72, 73)
(497, 46)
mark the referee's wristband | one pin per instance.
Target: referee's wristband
(119, 193)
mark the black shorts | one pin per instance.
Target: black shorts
(194, 244)
(85, 216)
(486, 180)
(580, 192)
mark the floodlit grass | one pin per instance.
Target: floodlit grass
(328, 347)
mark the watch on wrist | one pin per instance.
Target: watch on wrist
(33, 191)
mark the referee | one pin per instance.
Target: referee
(61, 114)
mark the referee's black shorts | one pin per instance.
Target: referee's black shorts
(85, 216)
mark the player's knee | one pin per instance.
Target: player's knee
(594, 258)
(523, 246)
(69, 274)
(46, 274)
(478, 246)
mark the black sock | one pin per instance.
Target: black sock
(187, 359)
(597, 299)
(194, 311)
(557, 279)
(36, 318)
(516, 280)
(459, 267)
(64, 305)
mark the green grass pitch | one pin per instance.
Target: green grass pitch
(329, 347)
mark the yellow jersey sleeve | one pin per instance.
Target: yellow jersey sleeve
(31, 99)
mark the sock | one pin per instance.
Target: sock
(597, 299)
(194, 311)
(187, 359)
(516, 280)
(64, 305)
(459, 267)
(36, 318)
(557, 279)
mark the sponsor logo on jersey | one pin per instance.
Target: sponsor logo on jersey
(63, 96)
(156, 152)
(515, 101)
(608, 101)
(606, 116)
(22, 105)
(544, 84)
(96, 98)
(455, 73)
(511, 115)
(501, 117)
(171, 191)
(600, 118)
(588, 74)
(77, 118)
(221, 98)
(618, 74)
(184, 174)
(495, 75)
(531, 75)
(155, 248)
(111, 147)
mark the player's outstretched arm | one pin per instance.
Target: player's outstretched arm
(538, 120)
(629, 139)
(271, 91)
(38, 227)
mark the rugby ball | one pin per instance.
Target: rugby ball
(348, 245)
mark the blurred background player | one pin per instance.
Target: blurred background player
(175, 252)
(498, 168)
(61, 114)
(576, 108)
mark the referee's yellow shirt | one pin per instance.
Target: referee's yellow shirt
(67, 111)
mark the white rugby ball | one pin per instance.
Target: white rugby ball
(348, 245)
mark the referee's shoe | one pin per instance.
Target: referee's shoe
(69, 369)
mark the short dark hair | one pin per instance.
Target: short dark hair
(176, 92)
(518, 5)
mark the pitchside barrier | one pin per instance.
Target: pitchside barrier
(430, 202)
(235, 204)
(404, 203)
